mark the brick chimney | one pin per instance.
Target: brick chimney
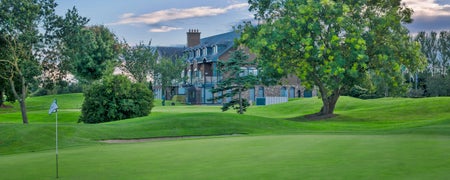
(193, 38)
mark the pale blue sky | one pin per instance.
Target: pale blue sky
(166, 22)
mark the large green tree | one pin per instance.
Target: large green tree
(444, 46)
(430, 48)
(436, 47)
(91, 50)
(25, 31)
(168, 72)
(56, 62)
(236, 80)
(140, 61)
(332, 44)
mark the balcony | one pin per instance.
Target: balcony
(206, 80)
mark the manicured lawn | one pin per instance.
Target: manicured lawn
(389, 138)
(248, 157)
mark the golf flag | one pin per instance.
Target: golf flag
(53, 107)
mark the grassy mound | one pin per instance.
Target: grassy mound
(387, 115)
(389, 138)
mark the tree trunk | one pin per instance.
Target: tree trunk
(329, 104)
(21, 98)
(241, 110)
(23, 110)
(1, 98)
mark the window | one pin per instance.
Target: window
(243, 72)
(252, 94)
(248, 71)
(205, 51)
(292, 92)
(261, 92)
(219, 100)
(215, 49)
(283, 92)
(252, 71)
(197, 53)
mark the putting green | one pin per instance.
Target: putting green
(245, 157)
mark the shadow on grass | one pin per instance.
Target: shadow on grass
(314, 117)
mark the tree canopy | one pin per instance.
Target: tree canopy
(26, 30)
(332, 45)
(90, 50)
(33, 40)
(168, 72)
(140, 61)
(436, 47)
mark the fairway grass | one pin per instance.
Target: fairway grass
(246, 157)
(388, 138)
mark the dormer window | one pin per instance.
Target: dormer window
(215, 49)
(205, 51)
(197, 53)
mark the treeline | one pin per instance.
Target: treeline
(435, 81)
(40, 49)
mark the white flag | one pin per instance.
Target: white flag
(53, 107)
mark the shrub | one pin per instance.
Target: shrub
(60, 89)
(362, 93)
(416, 93)
(438, 85)
(70, 88)
(358, 91)
(115, 98)
(40, 92)
(179, 99)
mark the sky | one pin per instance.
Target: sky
(165, 22)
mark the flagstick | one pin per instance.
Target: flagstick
(57, 144)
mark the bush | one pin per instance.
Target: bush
(438, 85)
(358, 91)
(60, 89)
(416, 93)
(362, 93)
(40, 92)
(115, 98)
(179, 99)
(70, 88)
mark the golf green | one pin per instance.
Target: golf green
(245, 157)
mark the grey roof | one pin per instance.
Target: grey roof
(171, 52)
(225, 41)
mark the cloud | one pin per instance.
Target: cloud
(428, 8)
(429, 24)
(429, 15)
(126, 15)
(175, 14)
(164, 29)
